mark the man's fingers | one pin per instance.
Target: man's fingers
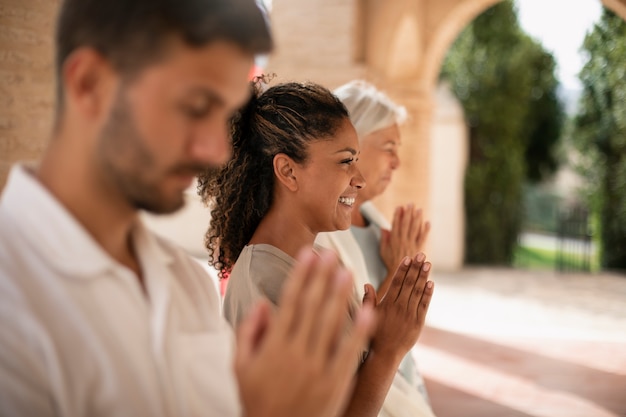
(370, 295)
(344, 365)
(295, 286)
(318, 296)
(250, 332)
(354, 341)
(333, 317)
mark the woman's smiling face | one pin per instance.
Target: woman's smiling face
(328, 181)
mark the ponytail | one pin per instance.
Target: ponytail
(240, 194)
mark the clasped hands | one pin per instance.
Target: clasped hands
(401, 312)
(406, 238)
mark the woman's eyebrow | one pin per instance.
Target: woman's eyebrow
(348, 149)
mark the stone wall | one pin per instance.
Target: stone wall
(26, 79)
(317, 41)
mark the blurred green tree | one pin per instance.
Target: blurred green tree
(600, 133)
(507, 85)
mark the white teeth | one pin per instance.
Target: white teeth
(347, 201)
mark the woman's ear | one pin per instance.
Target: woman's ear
(284, 169)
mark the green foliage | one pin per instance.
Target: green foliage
(536, 258)
(600, 133)
(545, 118)
(541, 209)
(506, 83)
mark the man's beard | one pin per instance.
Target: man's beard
(130, 167)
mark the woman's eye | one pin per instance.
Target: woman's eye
(348, 161)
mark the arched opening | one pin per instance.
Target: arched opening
(558, 200)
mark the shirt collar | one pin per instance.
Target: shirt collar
(57, 236)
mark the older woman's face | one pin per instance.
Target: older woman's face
(379, 158)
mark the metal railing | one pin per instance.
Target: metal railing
(574, 247)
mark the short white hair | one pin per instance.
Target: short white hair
(370, 109)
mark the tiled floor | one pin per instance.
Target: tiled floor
(507, 343)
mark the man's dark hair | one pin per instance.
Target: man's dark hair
(132, 33)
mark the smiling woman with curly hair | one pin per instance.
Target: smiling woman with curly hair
(282, 121)
(293, 174)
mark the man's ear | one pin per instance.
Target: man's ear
(284, 169)
(89, 82)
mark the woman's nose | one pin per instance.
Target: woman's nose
(395, 161)
(357, 180)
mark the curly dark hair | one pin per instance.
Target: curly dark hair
(283, 119)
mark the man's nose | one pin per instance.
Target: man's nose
(211, 144)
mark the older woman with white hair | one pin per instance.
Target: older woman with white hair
(372, 247)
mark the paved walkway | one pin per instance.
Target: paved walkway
(512, 343)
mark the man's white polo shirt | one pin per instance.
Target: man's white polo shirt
(79, 338)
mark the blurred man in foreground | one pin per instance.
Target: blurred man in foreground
(101, 318)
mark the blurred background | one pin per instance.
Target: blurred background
(515, 148)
